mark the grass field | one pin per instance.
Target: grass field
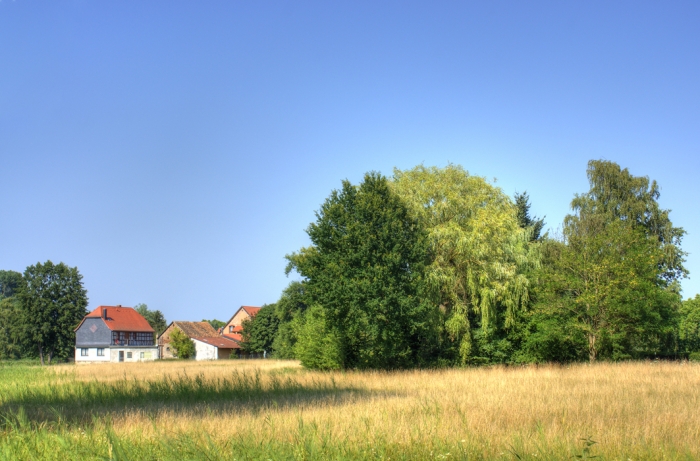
(250, 410)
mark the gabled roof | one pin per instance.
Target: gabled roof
(196, 329)
(220, 342)
(120, 318)
(252, 311)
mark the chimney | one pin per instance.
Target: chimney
(104, 313)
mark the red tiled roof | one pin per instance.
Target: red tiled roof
(252, 311)
(221, 342)
(122, 319)
(234, 336)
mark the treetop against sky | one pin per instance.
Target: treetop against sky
(175, 152)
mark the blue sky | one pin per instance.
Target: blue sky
(176, 151)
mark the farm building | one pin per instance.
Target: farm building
(190, 329)
(114, 334)
(215, 348)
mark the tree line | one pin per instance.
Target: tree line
(40, 309)
(437, 267)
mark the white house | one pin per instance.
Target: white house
(114, 334)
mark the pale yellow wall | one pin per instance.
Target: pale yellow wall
(237, 320)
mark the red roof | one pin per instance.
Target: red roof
(251, 310)
(121, 319)
(220, 342)
(234, 336)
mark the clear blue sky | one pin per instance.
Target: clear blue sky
(176, 151)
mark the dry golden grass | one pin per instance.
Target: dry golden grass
(633, 410)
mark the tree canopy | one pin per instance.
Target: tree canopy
(363, 271)
(53, 303)
(478, 251)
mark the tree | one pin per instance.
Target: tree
(364, 272)
(689, 325)
(215, 324)
(606, 282)
(533, 224)
(183, 345)
(155, 319)
(478, 252)
(613, 280)
(12, 337)
(10, 283)
(259, 332)
(318, 346)
(618, 195)
(53, 303)
(290, 310)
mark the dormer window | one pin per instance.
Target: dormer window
(230, 328)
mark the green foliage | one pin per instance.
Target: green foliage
(13, 340)
(479, 253)
(531, 223)
(289, 309)
(617, 195)
(689, 325)
(259, 332)
(53, 302)
(609, 277)
(364, 271)
(10, 283)
(215, 324)
(155, 319)
(183, 345)
(318, 345)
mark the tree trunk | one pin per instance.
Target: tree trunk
(592, 350)
(41, 354)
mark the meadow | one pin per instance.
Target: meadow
(259, 410)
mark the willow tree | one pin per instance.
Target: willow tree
(478, 252)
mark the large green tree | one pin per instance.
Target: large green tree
(612, 276)
(53, 303)
(363, 270)
(259, 332)
(479, 254)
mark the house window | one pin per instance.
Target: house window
(83, 352)
(143, 354)
(128, 355)
(230, 328)
(100, 351)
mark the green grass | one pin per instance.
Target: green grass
(56, 413)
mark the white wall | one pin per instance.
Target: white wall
(92, 355)
(150, 353)
(204, 351)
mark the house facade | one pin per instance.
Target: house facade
(234, 327)
(114, 334)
